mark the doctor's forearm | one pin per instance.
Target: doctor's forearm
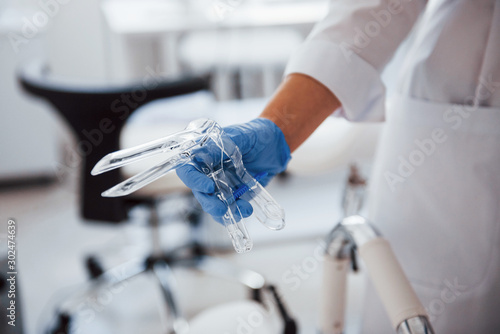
(299, 106)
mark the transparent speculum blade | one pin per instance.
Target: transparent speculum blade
(144, 178)
(266, 209)
(194, 133)
(205, 145)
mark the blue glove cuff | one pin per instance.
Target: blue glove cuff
(263, 146)
(285, 154)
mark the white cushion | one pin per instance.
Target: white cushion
(331, 145)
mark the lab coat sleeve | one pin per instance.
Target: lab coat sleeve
(350, 47)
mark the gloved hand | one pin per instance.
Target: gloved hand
(263, 148)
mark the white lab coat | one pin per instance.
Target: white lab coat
(435, 189)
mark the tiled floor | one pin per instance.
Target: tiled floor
(52, 240)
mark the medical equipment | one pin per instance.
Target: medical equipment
(204, 145)
(355, 235)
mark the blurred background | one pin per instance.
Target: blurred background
(238, 50)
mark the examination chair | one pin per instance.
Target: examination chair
(96, 114)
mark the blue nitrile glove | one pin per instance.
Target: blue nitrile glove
(263, 148)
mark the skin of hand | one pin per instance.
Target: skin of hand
(299, 106)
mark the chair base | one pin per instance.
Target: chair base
(191, 256)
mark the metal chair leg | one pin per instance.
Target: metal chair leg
(165, 277)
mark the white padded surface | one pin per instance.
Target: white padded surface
(236, 317)
(331, 145)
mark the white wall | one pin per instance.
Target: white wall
(28, 129)
(75, 40)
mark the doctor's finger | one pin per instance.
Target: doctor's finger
(245, 207)
(195, 179)
(211, 204)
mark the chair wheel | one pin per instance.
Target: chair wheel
(94, 268)
(256, 295)
(290, 327)
(62, 325)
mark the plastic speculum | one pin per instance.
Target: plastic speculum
(204, 145)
